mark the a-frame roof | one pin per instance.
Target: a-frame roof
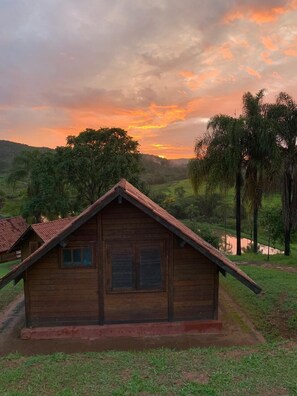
(45, 231)
(138, 199)
(10, 230)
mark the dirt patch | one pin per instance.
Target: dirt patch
(237, 331)
(200, 378)
(126, 374)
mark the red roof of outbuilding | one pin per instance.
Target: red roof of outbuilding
(133, 195)
(10, 231)
(49, 229)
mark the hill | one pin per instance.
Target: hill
(156, 170)
(9, 150)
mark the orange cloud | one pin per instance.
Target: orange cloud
(251, 71)
(187, 74)
(169, 151)
(226, 52)
(212, 53)
(265, 58)
(197, 81)
(269, 43)
(255, 15)
(292, 49)
(157, 117)
(291, 52)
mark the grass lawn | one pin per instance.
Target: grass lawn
(9, 292)
(274, 311)
(268, 369)
(275, 260)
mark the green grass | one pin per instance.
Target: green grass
(245, 371)
(9, 292)
(275, 260)
(274, 311)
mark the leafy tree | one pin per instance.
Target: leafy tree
(204, 232)
(206, 208)
(64, 181)
(53, 195)
(220, 160)
(22, 168)
(261, 155)
(271, 220)
(284, 114)
(97, 159)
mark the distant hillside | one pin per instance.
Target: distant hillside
(9, 150)
(160, 170)
(156, 170)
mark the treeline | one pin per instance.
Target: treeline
(253, 153)
(19, 159)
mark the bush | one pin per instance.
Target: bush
(204, 232)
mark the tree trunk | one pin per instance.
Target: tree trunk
(255, 220)
(287, 211)
(238, 213)
(287, 241)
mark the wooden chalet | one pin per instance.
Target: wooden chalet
(122, 260)
(10, 230)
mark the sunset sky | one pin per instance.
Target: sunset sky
(157, 68)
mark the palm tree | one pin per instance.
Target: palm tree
(260, 155)
(284, 114)
(220, 158)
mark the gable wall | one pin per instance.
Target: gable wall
(26, 245)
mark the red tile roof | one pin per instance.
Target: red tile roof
(127, 191)
(10, 231)
(49, 229)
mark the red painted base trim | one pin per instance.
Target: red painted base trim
(122, 330)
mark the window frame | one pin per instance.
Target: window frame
(72, 247)
(136, 247)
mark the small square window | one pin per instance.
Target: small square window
(77, 257)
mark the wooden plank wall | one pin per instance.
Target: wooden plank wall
(194, 284)
(57, 295)
(126, 222)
